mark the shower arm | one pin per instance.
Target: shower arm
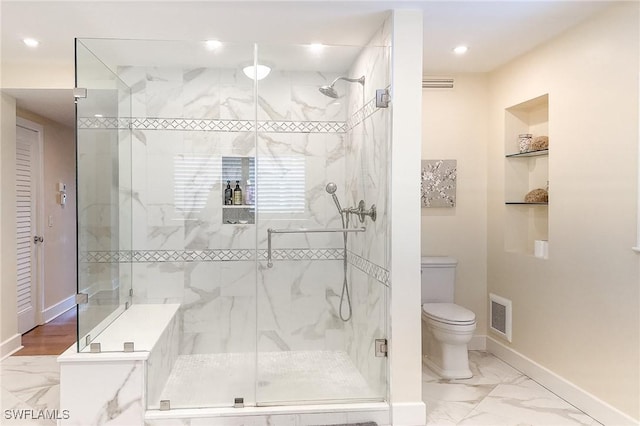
(271, 231)
(350, 80)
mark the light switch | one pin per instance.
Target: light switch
(50, 222)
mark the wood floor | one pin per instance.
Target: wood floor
(52, 338)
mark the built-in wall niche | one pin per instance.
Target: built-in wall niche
(238, 171)
(526, 170)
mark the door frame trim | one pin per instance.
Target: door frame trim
(39, 215)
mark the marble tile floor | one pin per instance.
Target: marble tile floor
(496, 395)
(29, 388)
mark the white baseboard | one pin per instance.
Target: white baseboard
(408, 413)
(10, 346)
(581, 399)
(58, 309)
(478, 343)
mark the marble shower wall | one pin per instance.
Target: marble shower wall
(187, 255)
(367, 165)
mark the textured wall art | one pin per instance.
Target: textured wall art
(439, 183)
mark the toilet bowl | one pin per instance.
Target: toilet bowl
(446, 327)
(446, 330)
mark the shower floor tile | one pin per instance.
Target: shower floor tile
(203, 380)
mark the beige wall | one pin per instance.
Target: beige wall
(577, 313)
(54, 76)
(60, 238)
(8, 310)
(455, 126)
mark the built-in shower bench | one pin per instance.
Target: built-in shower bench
(113, 386)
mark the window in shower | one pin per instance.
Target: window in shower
(281, 184)
(193, 180)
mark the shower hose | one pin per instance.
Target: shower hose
(345, 287)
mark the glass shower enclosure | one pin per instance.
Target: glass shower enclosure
(235, 197)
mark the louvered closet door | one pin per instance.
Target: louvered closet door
(26, 155)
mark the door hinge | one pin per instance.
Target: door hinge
(381, 347)
(382, 98)
(79, 92)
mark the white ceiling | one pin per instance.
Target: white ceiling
(495, 31)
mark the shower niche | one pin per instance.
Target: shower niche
(200, 320)
(238, 172)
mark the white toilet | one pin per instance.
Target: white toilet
(446, 327)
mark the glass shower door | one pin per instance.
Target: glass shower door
(317, 315)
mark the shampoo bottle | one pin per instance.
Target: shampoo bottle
(237, 194)
(228, 194)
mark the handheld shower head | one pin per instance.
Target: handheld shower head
(331, 92)
(331, 189)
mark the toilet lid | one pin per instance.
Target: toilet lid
(449, 313)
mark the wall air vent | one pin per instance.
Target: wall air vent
(500, 316)
(437, 83)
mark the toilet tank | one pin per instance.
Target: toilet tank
(438, 279)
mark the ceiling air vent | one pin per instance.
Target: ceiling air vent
(437, 83)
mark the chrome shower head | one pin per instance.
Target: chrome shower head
(331, 92)
(331, 187)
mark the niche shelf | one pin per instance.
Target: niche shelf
(529, 153)
(240, 169)
(524, 171)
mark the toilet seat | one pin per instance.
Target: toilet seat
(448, 313)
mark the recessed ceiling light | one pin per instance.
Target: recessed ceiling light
(213, 44)
(258, 72)
(316, 47)
(31, 42)
(460, 50)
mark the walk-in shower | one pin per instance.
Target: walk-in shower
(260, 298)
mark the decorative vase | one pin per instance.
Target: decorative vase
(524, 142)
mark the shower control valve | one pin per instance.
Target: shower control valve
(362, 212)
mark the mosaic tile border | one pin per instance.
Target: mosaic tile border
(182, 124)
(303, 254)
(234, 255)
(363, 113)
(209, 255)
(374, 271)
(302, 126)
